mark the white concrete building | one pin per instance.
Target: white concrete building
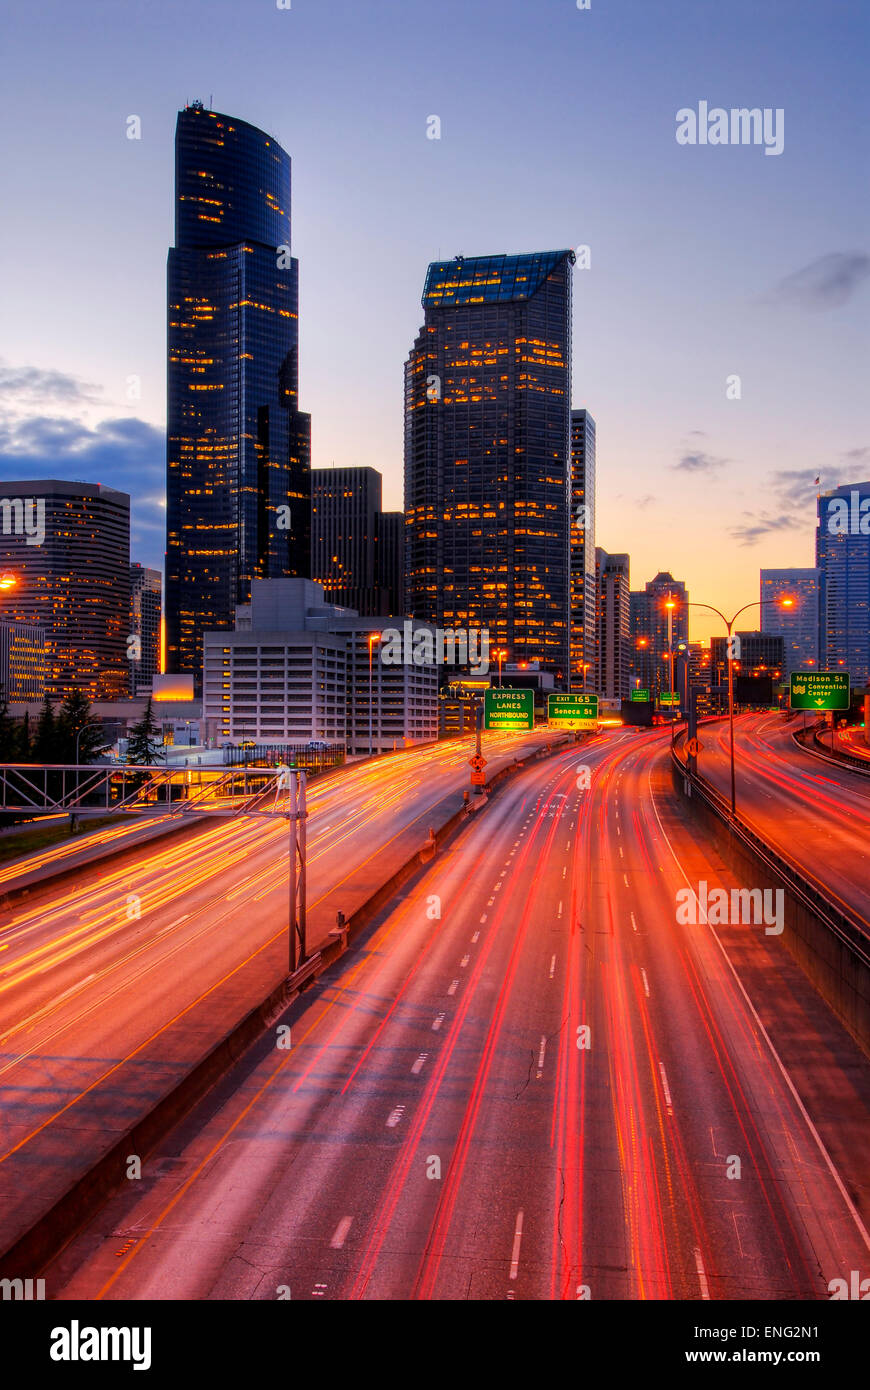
(296, 668)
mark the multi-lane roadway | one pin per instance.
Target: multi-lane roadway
(816, 814)
(530, 1080)
(116, 982)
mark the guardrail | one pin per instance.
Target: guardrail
(838, 757)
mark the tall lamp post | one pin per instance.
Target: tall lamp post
(500, 655)
(729, 653)
(373, 637)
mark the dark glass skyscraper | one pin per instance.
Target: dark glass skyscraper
(238, 449)
(843, 561)
(584, 644)
(487, 453)
(67, 547)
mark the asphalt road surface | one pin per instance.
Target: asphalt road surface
(527, 1081)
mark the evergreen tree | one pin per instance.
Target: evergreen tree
(8, 733)
(144, 738)
(75, 725)
(45, 748)
(24, 751)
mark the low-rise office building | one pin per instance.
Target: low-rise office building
(297, 669)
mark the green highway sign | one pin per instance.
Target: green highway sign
(572, 711)
(669, 697)
(819, 690)
(640, 695)
(508, 709)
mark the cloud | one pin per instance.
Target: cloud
(28, 387)
(825, 283)
(861, 455)
(796, 488)
(698, 462)
(750, 534)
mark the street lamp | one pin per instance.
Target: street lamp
(584, 666)
(500, 655)
(373, 637)
(729, 626)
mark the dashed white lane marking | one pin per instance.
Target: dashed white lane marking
(621, 855)
(702, 1278)
(439, 1019)
(340, 1234)
(490, 902)
(633, 922)
(476, 937)
(668, 1101)
(542, 1049)
(464, 962)
(564, 870)
(318, 1291)
(418, 1065)
(559, 912)
(552, 967)
(78, 985)
(177, 923)
(452, 987)
(645, 982)
(483, 918)
(625, 877)
(496, 887)
(515, 1253)
(395, 1116)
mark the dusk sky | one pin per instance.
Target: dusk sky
(557, 129)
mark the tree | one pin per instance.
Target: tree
(45, 748)
(144, 738)
(24, 751)
(75, 726)
(8, 733)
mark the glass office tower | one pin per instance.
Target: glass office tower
(487, 453)
(584, 628)
(843, 560)
(238, 448)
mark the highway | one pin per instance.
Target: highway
(115, 982)
(814, 813)
(527, 1081)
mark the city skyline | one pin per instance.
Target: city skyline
(680, 292)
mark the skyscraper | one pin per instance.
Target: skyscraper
(487, 453)
(145, 611)
(652, 623)
(843, 559)
(357, 550)
(390, 566)
(612, 671)
(238, 472)
(797, 625)
(584, 631)
(71, 572)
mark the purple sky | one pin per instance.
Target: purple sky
(557, 129)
